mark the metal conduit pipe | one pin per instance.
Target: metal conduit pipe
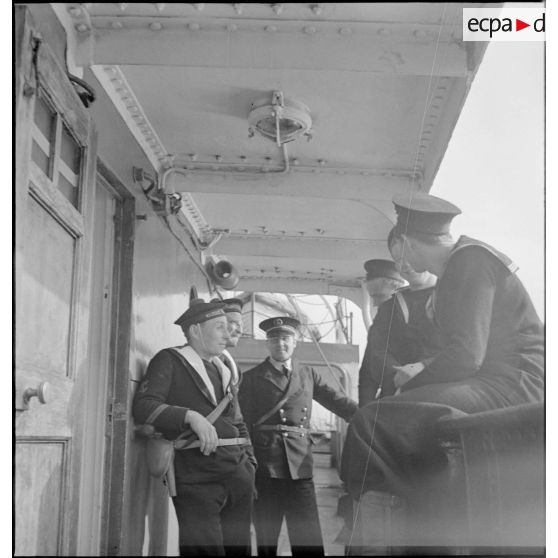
(258, 170)
(282, 145)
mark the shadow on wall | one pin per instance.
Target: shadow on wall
(148, 514)
(152, 525)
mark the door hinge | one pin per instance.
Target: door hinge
(110, 411)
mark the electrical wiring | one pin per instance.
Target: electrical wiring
(192, 257)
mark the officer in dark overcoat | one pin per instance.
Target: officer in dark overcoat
(214, 472)
(276, 401)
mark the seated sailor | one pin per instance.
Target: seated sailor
(491, 356)
(382, 280)
(401, 333)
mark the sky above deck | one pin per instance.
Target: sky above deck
(494, 165)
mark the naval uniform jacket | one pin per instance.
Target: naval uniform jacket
(171, 380)
(492, 357)
(286, 455)
(399, 335)
(488, 326)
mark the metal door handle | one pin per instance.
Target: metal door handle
(40, 392)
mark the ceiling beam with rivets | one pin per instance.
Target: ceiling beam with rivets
(376, 184)
(301, 247)
(226, 44)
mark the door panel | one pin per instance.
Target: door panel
(41, 530)
(47, 285)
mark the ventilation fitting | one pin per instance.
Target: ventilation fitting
(280, 120)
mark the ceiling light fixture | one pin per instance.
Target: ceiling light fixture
(279, 119)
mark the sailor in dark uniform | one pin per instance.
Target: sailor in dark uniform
(382, 281)
(214, 468)
(402, 332)
(233, 313)
(276, 401)
(491, 356)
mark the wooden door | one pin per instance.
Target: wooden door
(55, 166)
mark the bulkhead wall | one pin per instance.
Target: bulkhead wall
(163, 274)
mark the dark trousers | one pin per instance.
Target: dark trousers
(296, 501)
(392, 445)
(214, 517)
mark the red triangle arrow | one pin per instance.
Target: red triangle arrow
(519, 25)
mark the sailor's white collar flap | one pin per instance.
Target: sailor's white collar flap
(465, 241)
(231, 367)
(196, 363)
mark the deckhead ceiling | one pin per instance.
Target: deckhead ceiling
(384, 84)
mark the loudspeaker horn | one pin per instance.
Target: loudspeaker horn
(222, 273)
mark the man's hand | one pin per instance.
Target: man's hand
(406, 372)
(204, 430)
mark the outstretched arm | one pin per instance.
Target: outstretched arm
(332, 398)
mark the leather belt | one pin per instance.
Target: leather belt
(221, 442)
(282, 428)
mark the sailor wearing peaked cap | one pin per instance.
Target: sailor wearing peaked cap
(233, 312)
(190, 396)
(381, 268)
(399, 326)
(423, 213)
(276, 401)
(490, 355)
(382, 280)
(277, 326)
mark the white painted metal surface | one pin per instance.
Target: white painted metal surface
(385, 83)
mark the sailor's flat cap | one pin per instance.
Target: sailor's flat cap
(233, 305)
(200, 311)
